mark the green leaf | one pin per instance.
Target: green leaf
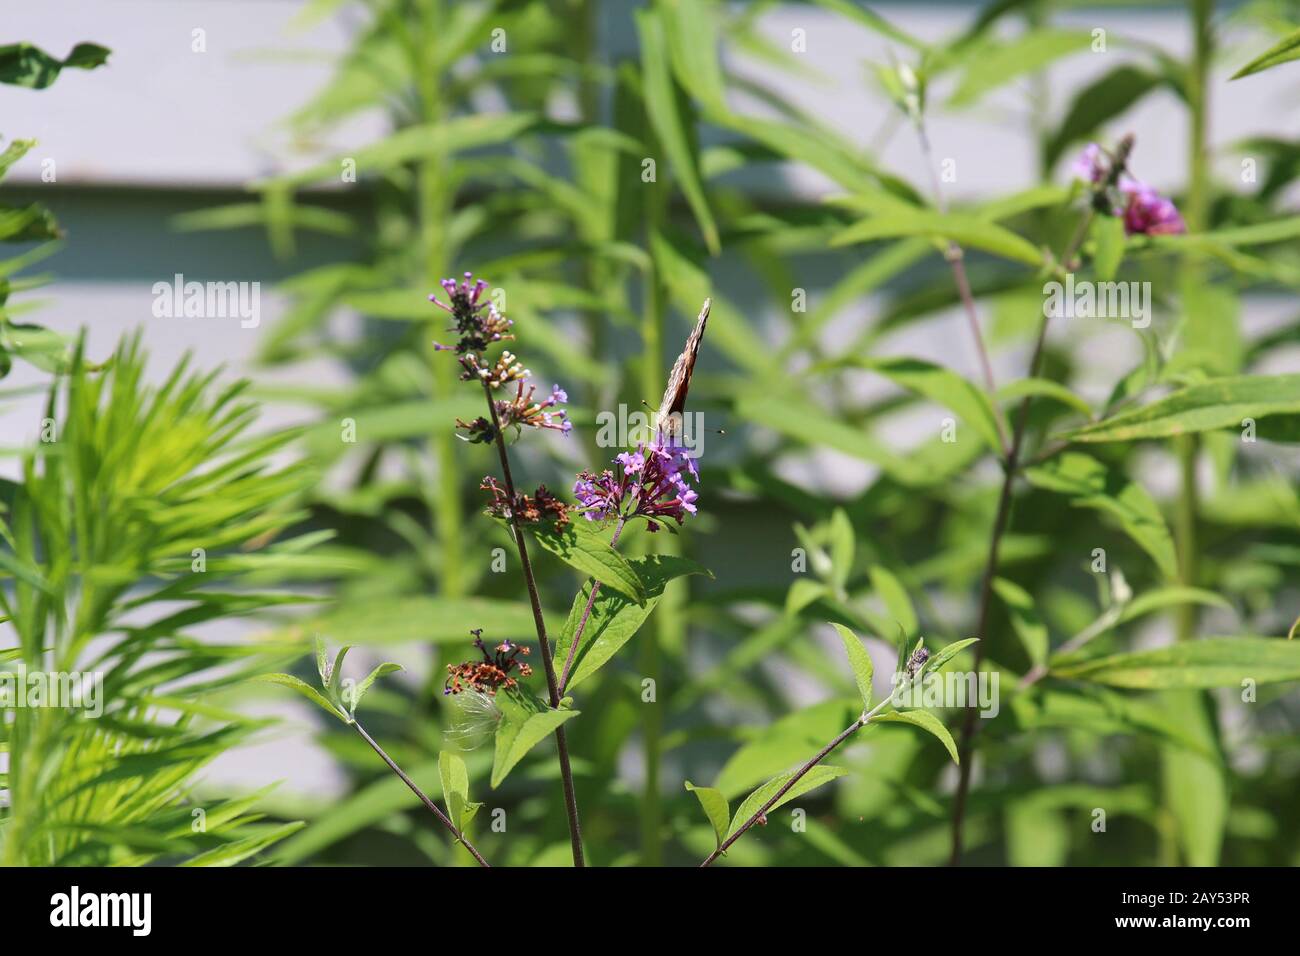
(582, 547)
(15, 151)
(842, 543)
(996, 65)
(943, 656)
(944, 387)
(965, 230)
(898, 605)
(1219, 403)
(1195, 786)
(443, 620)
(239, 850)
(1098, 710)
(693, 36)
(336, 670)
(411, 143)
(1171, 596)
(455, 787)
(22, 64)
(1094, 105)
(1044, 388)
(926, 721)
(860, 661)
(525, 722)
(1028, 625)
(614, 619)
(785, 744)
(872, 21)
(388, 667)
(1108, 236)
(302, 687)
(1091, 485)
(810, 781)
(662, 105)
(715, 808)
(1284, 51)
(1205, 663)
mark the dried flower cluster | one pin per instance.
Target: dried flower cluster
(528, 509)
(1115, 192)
(652, 484)
(491, 673)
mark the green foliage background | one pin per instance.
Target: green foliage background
(542, 192)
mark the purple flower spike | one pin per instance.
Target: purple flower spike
(478, 322)
(652, 486)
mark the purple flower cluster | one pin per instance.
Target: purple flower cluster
(652, 485)
(522, 411)
(1144, 211)
(478, 322)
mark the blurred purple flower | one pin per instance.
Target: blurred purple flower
(1115, 192)
(1091, 165)
(1146, 212)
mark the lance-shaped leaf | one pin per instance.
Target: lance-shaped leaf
(1205, 663)
(926, 721)
(811, 780)
(715, 808)
(859, 660)
(525, 722)
(579, 545)
(1219, 403)
(944, 387)
(665, 110)
(966, 230)
(1284, 51)
(943, 656)
(302, 687)
(1029, 627)
(455, 789)
(614, 618)
(352, 697)
(1091, 485)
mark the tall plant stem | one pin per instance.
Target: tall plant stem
(586, 612)
(548, 665)
(435, 199)
(432, 807)
(1000, 521)
(1187, 447)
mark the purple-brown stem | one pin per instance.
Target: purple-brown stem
(956, 260)
(548, 665)
(586, 613)
(1000, 522)
(844, 735)
(433, 807)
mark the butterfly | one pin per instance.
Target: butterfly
(668, 420)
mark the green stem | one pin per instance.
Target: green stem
(1197, 209)
(435, 204)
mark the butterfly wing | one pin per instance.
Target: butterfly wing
(668, 420)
